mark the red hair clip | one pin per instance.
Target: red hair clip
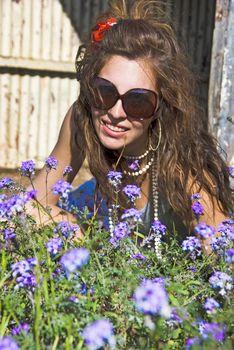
(99, 30)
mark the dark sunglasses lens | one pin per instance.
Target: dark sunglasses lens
(104, 94)
(140, 103)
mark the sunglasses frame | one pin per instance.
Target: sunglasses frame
(121, 97)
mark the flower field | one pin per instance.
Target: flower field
(107, 291)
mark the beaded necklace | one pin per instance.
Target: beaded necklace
(153, 239)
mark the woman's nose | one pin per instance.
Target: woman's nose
(117, 110)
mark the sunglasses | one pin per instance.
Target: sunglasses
(137, 103)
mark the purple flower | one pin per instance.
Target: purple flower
(22, 270)
(204, 230)
(134, 165)
(120, 231)
(211, 305)
(3, 197)
(73, 298)
(226, 228)
(229, 256)
(156, 280)
(57, 272)
(190, 342)
(23, 266)
(197, 208)
(231, 170)
(99, 334)
(158, 228)
(218, 244)
(115, 178)
(192, 268)
(175, 319)
(26, 280)
(13, 205)
(84, 289)
(67, 170)
(132, 192)
(132, 213)
(132, 216)
(212, 330)
(138, 256)
(8, 343)
(222, 281)
(54, 245)
(30, 195)
(51, 163)
(195, 196)
(27, 168)
(151, 298)
(74, 259)
(193, 245)
(62, 188)
(23, 327)
(66, 229)
(6, 182)
(9, 234)
(161, 280)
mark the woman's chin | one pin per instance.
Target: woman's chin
(112, 145)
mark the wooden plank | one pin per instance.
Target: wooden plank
(36, 30)
(4, 113)
(217, 59)
(56, 28)
(43, 122)
(226, 129)
(24, 118)
(16, 28)
(66, 33)
(46, 30)
(26, 31)
(34, 112)
(38, 65)
(54, 98)
(13, 121)
(5, 46)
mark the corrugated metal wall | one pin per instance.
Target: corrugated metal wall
(194, 21)
(38, 44)
(221, 96)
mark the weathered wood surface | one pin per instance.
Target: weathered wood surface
(221, 90)
(38, 44)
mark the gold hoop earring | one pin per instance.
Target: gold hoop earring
(159, 138)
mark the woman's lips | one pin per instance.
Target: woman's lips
(113, 130)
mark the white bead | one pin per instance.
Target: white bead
(139, 157)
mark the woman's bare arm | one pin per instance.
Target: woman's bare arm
(67, 152)
(212, 216)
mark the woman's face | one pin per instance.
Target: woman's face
(115, 129)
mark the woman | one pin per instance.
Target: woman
(137, 108)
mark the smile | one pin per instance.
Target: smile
(114, 127)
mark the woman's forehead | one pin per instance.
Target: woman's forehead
(132, 73)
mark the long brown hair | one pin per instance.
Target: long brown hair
(187, 153)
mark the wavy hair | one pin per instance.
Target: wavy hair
(188, 154)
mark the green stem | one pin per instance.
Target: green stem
(101, 270)
(46, 183)
(194, 296)
(39, 214)
(54, 346)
